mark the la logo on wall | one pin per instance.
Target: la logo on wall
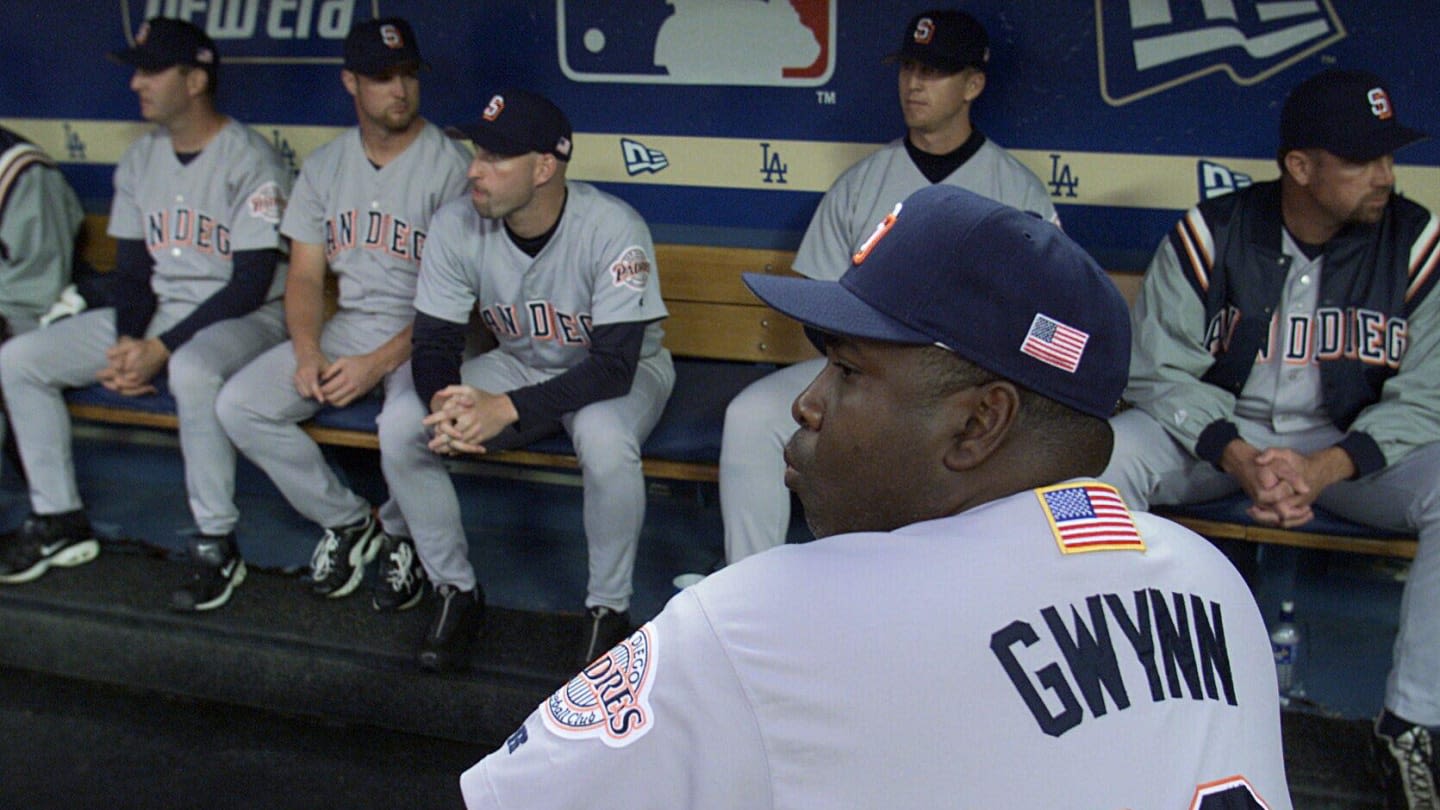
(781, 43)
(1147, 46)
(260, 31)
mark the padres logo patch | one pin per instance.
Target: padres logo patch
(267, 203)
(610, 699)
(632, 269)
(1089, 517)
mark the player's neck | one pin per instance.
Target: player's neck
(945, 140)
(382, 145)
(192, 131)
(542, 213)
(1305, 220)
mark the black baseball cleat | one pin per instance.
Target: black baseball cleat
(1406, 754)
(458, 616)
(339, 561)
(402, 580)
(45, 541)
(216, 570)
(604, 628)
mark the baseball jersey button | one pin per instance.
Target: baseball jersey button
(374, 203)
(179, 198)
(1305, 279)
(174, 251)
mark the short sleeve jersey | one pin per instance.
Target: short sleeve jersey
(865, 193)
(194, 216)
(598, 268)
(373, 222)
(1048, 649)
(39, 217)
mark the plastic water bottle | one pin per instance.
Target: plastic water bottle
(1285, 643)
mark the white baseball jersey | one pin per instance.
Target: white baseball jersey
(194, 216)
(371, 221)
(1048, 649)
(598, 268)
(869, 190)
(39, 217)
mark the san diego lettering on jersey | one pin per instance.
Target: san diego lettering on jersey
(1330, 333)
(541, 320)
(1177, 639)
(182, 226)
(377, 231)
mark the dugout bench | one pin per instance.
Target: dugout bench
(722, 339)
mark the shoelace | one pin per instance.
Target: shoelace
(323, 560)
(401, 576)
(1419, 759)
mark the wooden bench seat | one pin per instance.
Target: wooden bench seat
(722, 338)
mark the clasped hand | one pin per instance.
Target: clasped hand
(131, 364)
(463, 418)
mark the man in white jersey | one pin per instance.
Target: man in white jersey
(361, 207)
(564, 280)
(1287, 345)
(980, 623)
(943, 59)
(39, 220)
(195, 296)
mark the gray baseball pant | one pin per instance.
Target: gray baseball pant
(607, 436)
(35, 368)
(1148, 467)
(754, 503)
(261, 412)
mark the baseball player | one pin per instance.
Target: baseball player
(943, 57)
(361, 207)
(563, 277)
(980, 623)
(199, 273)
(1286, 346)
(39, 220)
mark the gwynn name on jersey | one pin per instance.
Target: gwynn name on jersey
(1177, 640)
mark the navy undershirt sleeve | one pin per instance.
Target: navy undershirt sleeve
(437, 347)
(129, 288)
(605, 374)
(251, 272)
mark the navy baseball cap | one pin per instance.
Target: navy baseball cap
(375, 47)
(1004, 289)
(946, 40)
(516, 122)
(163, 42)
(1349, 113)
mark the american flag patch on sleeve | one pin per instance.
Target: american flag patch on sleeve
(1052, 342)
(1089, 517)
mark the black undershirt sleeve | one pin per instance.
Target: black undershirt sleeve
(605, 374)
(128, 289)
(251, 272)
(437, 347)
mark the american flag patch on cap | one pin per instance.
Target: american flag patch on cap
(1089, 517)
(1052, 342)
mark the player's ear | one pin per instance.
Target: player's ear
(1299, 164)
(983, 418)
(545, 167)
(352, 84)
(974, 84)
(196, 81)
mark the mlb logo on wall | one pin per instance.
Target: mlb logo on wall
(780, 43)
(272, 32)
(1147, 46)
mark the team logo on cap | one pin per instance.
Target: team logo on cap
(1054, 343)
(143, 34)
(494, 108)
(1380, 103)
(881, 229)
(390, 35)
(924, 30)
(610, 699)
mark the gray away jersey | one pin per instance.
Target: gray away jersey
(597, 269)
(373, 222)
(1048, 649)
(194, 216)
(869, 190)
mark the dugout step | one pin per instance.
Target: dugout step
(275, 646)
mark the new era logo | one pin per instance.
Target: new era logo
(641, 158)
